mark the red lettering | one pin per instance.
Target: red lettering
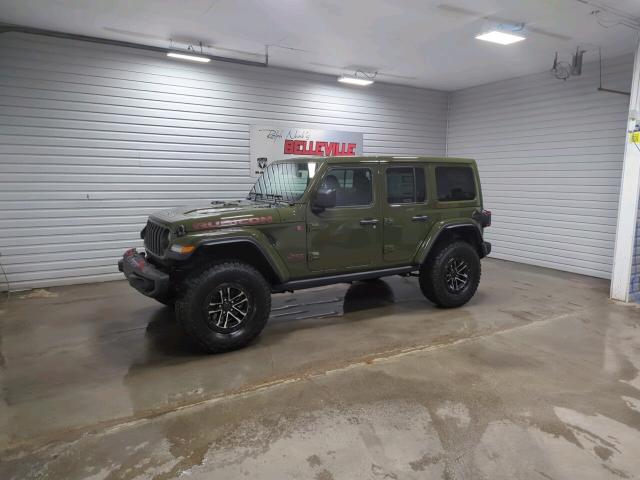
(319, 148)
(288, 147)
(310, 148)
(231, 222)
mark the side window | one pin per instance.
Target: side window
(405, 185)
(455, 184)
(353, 186)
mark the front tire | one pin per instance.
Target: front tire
(225, 307)
(450, 277)
(166, 299)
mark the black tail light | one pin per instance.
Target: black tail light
(486, 218)
(483, 218)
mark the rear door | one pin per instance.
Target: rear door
(406, 214)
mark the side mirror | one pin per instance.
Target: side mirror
(325, 198)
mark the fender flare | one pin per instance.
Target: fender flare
(271, 257)
(432, 238)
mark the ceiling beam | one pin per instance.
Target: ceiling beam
(7, 28)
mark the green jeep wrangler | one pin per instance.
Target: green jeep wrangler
(312, 222)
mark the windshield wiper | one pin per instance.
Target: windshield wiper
(268, 197)
(273, 197)
(255, 196)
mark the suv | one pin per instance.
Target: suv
(312, 222)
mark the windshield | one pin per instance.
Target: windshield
(283, 181)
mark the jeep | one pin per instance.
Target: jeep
(312, 222)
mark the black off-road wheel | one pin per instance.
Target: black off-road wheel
(224, 307)
(450, 276)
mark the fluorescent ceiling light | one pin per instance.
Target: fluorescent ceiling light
(495, 36)
(353, 80)
(184, 56)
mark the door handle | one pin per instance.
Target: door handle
(420, 218)
(369, 221)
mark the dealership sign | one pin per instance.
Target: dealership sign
(275, 143)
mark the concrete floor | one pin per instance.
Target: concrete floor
(537, 377)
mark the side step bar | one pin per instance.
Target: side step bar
(342, 278)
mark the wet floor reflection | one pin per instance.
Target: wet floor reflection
(107, 353)
(338, 300)
(171, 369)
(166, 343)
(165, 337)
(367, 295)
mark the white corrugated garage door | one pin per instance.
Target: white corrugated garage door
(550, 156)
(94, 138)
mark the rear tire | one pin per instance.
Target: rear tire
(450, 277)
(224, 307)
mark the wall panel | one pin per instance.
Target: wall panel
(94, 138)
(550, 157)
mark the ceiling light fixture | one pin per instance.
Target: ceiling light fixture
(501, 38)
(359, 78)
(192, 58)
(503, 34)
(354, 80)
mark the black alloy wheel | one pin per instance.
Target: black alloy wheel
(227, 307)
(456, 274)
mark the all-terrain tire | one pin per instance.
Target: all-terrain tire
(433, 275)
(167, 299)
(194, 304)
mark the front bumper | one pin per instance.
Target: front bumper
(143, 276)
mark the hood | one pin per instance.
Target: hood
(219, 214)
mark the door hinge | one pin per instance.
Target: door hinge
(388, 248)
(313, 226)
(314, 256)
(388, 221)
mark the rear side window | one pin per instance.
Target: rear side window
(405, 185)
(455, 184)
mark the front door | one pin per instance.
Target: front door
(348, 236)
(407, 219)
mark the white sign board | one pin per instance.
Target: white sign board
(275, 143)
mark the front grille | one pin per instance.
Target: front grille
(156, 238)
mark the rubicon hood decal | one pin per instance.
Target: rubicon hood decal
(204, 213)
(231, 222)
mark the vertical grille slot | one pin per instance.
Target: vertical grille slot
(156, 238)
